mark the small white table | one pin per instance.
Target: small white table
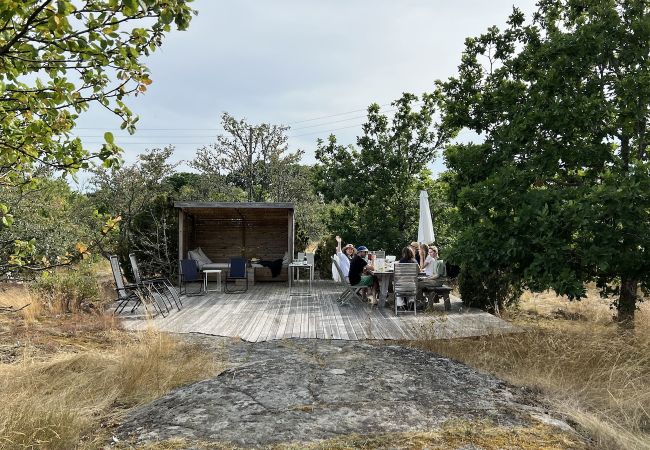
(297, 266)
(205, 280)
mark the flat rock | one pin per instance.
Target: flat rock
(308, 390)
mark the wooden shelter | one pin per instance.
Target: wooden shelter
(224, 229)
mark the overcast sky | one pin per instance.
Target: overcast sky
(291, 61)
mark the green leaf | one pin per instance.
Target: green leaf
(108, 137)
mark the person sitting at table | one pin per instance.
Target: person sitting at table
(432, 275)
(427, 262)
(408, 256)
(415, 246)
(359, 275)
(344, 256)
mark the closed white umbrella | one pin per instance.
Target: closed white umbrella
(425, 227)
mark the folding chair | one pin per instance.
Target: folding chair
(405, 283)
(162, 286)
(237, 272)
(350, 291)
(129, 292)
(190, 274)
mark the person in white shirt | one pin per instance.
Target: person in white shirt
(430, 267)
(428, 262)
(344, 255)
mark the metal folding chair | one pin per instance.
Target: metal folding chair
(129, 292)
(350, 291)
(161, 286)
(236, 272)
(190, 274)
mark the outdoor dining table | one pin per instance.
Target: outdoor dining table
(384, 277)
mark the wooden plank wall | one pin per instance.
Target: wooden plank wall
(256, 238)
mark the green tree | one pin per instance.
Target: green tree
(59, 57)
(558, 193)
(246, 156)
(141, 195)
(53, 226)
(378, 184)
(254, 160)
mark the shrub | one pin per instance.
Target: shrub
(69, 289)
(322, 257)
(490, 291)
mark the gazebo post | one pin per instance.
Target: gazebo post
(292, 229)
(181, 240)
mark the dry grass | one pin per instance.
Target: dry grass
(596, 374)
(73, 376)
(21, 299)
(452, 436)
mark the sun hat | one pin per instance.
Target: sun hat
(347, 246)
(362, 248)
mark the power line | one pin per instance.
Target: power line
(334, 115)
(220, 128)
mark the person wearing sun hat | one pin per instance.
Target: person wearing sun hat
(358, 272)
(344, 256)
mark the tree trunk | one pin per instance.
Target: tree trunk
(627, 302)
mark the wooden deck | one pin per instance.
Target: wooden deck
(267, 312)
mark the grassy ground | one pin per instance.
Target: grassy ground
(572, 353)
(67, 379)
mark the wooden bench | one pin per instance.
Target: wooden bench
(434, 293)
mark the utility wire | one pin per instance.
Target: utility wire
(221, 128)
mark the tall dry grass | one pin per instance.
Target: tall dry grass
(21, 300)
(594, 372)
(60, 402)
(76, 374)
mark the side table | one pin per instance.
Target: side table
(205, 280)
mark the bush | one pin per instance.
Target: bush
(69, 289)
(490, 291)
(322, 257)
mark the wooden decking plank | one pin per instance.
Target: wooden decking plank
(340, 326)
(258, 304)
(312, 314)
(220, 315)
(216, 314)
(246, 315)
(266, 312)
(233, 315)
(199, 314)
(318, 316)
(265, 309)
(296, 313)
(363, 324)
(275, 320)
(329, 321)
(383, 320)
(348, 316)
(178, 318)
(284, 318)
(270, 312)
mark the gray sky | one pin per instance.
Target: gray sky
(290, 61)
